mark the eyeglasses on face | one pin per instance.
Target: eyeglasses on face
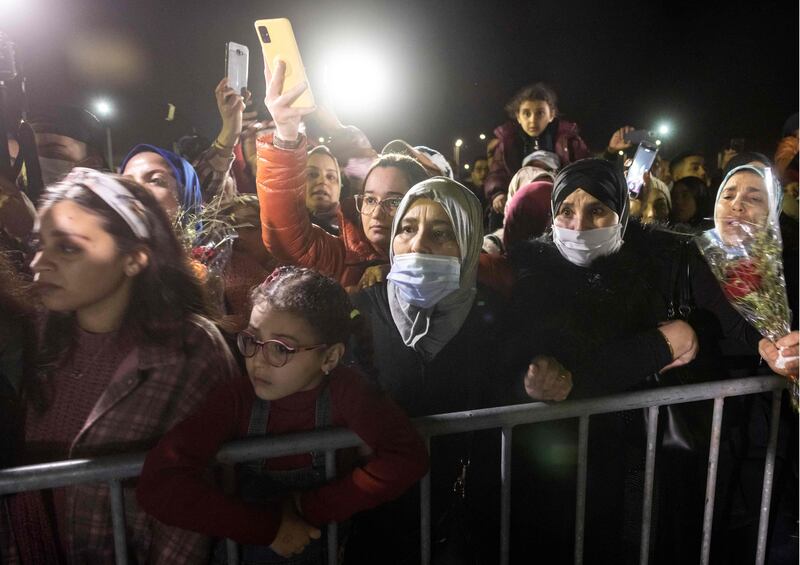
(366, 204)
(274, 351)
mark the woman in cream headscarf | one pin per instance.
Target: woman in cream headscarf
(431, 322)
(433, 351)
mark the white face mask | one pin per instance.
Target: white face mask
(53, 170)
(424, 280)
(582, 247)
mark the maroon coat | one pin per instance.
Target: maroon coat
(508, 155)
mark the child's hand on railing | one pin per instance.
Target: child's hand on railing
(294, 533)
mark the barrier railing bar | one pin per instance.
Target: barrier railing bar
(333, 528)
(118, 522)
(112, 469)
(512, 416)
(505, 496)
(769, 471)
(580, 494)
(63, 473)
(711, 479)
(649, 474)
(233, 551)
(425, 513)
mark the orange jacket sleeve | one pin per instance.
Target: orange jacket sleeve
(286, 229)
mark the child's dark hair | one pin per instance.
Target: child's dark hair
(536, 91)
(319, 300)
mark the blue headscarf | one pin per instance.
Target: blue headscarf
(189, 194)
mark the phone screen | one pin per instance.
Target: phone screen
(642, 161)
(236, 65)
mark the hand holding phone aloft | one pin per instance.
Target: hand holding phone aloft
(287, 119)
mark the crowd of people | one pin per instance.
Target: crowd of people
(261, 284)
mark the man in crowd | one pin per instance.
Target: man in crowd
(688, 164)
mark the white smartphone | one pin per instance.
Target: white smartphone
(277, 40)
(237, 61)
(642, 161)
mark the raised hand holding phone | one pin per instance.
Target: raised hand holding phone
(287, 118)
(231, 105)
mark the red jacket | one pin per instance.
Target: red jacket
(173, 486)
(287, 230)
(508, 156)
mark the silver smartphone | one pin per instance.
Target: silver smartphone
(642, 162)
(237, 61)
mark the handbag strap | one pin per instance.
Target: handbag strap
(681, 300)
(460, 484)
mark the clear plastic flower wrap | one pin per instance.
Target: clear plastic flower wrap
(744, 251)
(208, 236)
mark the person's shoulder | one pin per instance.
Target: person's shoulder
(648, 238)
(199, 329)
(202, 342)
(371, 299)
(567, 128)
(350, 385)
(506, 130)
(533, 253)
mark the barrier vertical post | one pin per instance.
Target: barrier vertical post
(769, 472)
(711, 479)
(118, 522)
(580, 495)
(649, 473)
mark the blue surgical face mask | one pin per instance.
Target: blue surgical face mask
(582, 247)
(424, 280)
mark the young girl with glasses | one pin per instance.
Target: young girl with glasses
(292, 347)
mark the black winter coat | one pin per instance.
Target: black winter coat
(601, 322)
(456, 379)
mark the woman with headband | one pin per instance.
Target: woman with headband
(125, 354)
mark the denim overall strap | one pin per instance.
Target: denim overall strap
(259, 417)
(322, 419)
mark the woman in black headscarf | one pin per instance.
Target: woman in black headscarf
(604, 295)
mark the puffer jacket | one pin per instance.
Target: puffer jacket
(287, 230)
(567, 144)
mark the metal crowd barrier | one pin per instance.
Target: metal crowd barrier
(113, 469)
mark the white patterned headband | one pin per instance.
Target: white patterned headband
(113, 193)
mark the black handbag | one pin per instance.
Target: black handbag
(676, 432)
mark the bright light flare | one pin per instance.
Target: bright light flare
(356, 79)
(658, 142)
(103, 107)
(482, 136)
(664, 129)
(459, 142)
(466, 166)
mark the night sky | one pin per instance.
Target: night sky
(713, 72)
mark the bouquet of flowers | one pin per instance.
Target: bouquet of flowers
(207, 236)
(746, 259)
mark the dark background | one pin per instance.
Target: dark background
(713, 70)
